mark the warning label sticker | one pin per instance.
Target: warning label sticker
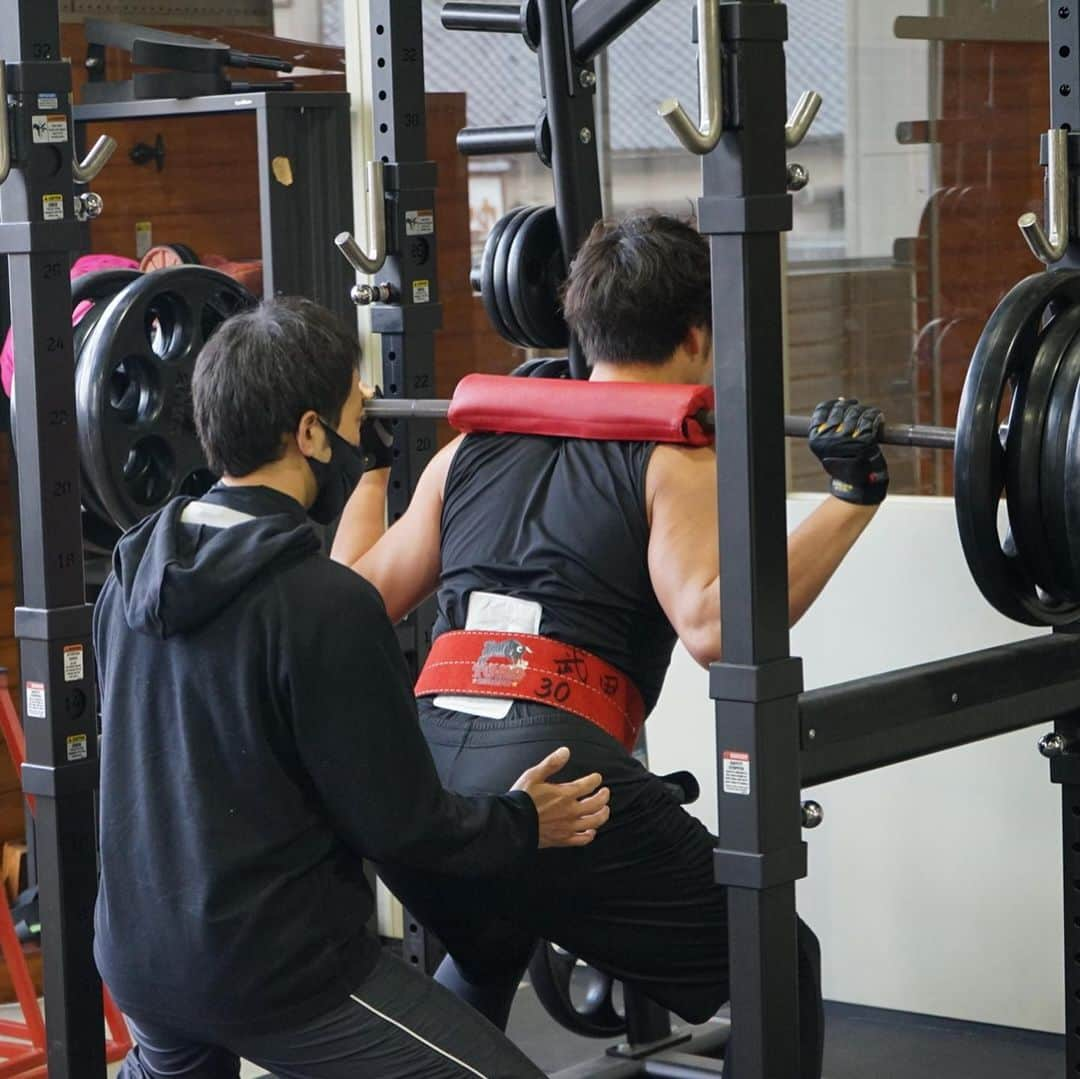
(144, 237)
(419, 222)
(421, 292)
(736, 772)
(35, 699)
(73, 663)
(52, 207)
(76, 747)
(50, 128)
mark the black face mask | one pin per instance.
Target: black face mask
(335, 479)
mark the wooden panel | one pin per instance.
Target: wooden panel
(254, 13)
(207, 195)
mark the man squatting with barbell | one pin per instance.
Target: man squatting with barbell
(564, 566)
(260, 739)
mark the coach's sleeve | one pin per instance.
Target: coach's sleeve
(357, 731)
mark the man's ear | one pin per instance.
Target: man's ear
(697, 343)
(310, 437)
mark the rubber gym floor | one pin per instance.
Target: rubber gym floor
(861, 1043)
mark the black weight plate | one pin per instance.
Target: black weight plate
(487, 276)
(1069, 493)
(1005, 351)
(97, 288)
(1023, 454)
(501, 276)
(1052, 470)
(133, 388)
(99, 536)
(551, 971)
(536, 274)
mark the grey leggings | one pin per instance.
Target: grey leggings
(397, 1025)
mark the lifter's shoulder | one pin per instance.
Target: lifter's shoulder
(679, 471)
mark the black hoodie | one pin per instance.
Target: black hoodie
(259, 740)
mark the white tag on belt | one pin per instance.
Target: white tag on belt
(503, 614)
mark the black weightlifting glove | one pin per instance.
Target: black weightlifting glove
(844, 437)
(376, 441)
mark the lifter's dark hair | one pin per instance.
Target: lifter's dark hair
(636, 288)
(261, 371)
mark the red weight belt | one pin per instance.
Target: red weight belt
(521, 666)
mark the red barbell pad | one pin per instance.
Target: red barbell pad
(570, 408)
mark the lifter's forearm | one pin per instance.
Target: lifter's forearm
(364, 520)
(818, 546)
(815, 550)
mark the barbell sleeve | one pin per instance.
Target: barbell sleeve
(900, 434)
(405, 408)
(493, 18)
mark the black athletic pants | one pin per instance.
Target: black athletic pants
(397, 1025)
(639, 902)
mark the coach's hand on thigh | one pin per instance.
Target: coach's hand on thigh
(569, 813)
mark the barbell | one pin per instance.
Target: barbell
(901, 434)
(1017, 432)
(1017, 436)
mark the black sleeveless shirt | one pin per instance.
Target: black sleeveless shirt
(561, 522)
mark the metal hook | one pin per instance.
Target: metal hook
(1052, 248)
(86, 170)
(802, 116)
(376, 214)
(703, 137)
(5, 134)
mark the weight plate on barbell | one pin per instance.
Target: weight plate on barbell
(98, 289)
(1069, 492)
(1023, 455)
(487, 276)
(1005, 351)
(133, 388)
(553, 973)
(1052, 470)
(536, 273)
(501, 276)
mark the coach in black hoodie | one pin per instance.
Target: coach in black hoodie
(260, 740)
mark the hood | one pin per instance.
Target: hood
(176, 577)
